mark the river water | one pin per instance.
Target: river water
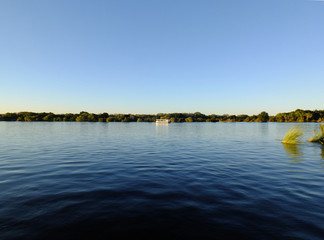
(69, 180)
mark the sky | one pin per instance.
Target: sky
(163, 56)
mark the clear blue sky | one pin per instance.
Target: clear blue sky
(144, 56)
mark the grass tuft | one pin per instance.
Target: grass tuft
(319, 135)
(292, 136)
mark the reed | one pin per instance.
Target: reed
(292, 136)
(318, 135)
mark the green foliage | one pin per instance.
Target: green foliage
(49, 117)
(83, 117)
(319, 135)
(295, 116)
(293, 136)
(263, 117)
(189, 119)
(92, 118)
(9, 117)
(299, 116)
(69, 117)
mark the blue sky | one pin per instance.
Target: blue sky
(144, 56)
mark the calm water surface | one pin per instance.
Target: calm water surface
(182, 181)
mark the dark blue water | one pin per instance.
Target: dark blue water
(182, 181)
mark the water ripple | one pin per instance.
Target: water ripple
(182, 181)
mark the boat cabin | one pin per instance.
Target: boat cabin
(163, 121)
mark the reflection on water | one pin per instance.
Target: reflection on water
(293, 151)
(162, 130)
(178, 181)
(264, 129)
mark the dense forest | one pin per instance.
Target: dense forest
(295, 116)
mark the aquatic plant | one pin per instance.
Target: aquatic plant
(292, 136)
(319, 135)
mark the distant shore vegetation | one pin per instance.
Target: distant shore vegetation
(294, 116)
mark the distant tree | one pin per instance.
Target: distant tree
(104, 115)
(69, 117)
(224, 117)
(253, 118)
(297, 115)
(247, 119)
(199, 117)
(280, 117)
(272, 118)
(27, 119)
(213, 118)
(320, 120)
(263, 117)
(20, 119)
(291, 117)
(241, 118)
(83, 117)
(57, 119)
(49, 117)
(10, 117)
(125, 119)
(92, 118)
(111, 119)
(309, 117)
(189, 119)
(232, 118)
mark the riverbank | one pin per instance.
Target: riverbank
(294, 116)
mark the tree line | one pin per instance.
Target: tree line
(294, 116)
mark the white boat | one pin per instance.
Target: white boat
(162, 121)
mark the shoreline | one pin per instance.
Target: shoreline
(296, 116)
